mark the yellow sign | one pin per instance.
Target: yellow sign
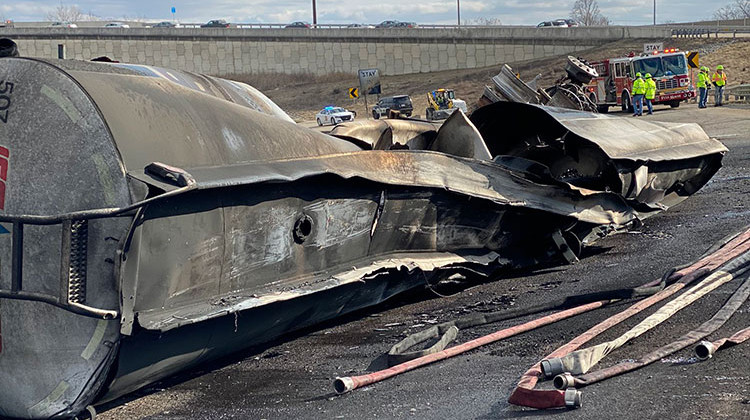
(354, 93)
(692, 58)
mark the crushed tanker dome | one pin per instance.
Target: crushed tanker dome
(155, 219)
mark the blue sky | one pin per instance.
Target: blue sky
(510, 12)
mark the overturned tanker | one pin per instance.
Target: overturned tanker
(153, 220)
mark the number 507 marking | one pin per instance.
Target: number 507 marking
(6, 88)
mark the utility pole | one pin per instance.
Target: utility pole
(458, 11)
(315, 14)
(654, 12)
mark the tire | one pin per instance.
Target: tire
(603, 109)
(320, 123)
(627, 102)
(674, 104)
(375, 115)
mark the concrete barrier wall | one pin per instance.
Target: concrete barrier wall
(319, 51)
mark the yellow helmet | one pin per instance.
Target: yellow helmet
(648, 75)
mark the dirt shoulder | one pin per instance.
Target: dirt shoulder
(303, 95)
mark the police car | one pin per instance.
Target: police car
(334, 115)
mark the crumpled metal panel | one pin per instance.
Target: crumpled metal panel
(653, 164)
(425, 169)
(388, 134)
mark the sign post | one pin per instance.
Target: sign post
(369, 84)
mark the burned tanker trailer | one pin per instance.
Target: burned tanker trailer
(154, 219)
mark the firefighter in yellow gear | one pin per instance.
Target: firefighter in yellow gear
(719, 79)
(702, 84)
(639, 89)
(650, 93)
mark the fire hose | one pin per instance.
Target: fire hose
(525, 395)
(581, 361)
(408, 361)
(566, 380)
(706, 349)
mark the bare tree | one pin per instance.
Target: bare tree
(587, 13)
(739, 9)
(63, 13)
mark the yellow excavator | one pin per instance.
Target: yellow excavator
(442, 103)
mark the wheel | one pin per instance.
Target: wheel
(674, 104)
(627, 103)
(320, 122)
(375, 115)
(603, 109)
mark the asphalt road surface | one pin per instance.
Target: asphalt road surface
(292, 377)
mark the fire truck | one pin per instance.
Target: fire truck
(614, 85)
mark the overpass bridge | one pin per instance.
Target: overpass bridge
(320, 51)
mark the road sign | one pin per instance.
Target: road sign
(369, 79)
(653, 46)
(354, 93)
(692, 59)
(174, 10)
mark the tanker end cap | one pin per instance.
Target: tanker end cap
(552, 367)
(343, 385)
(705, 350)
(564, 381)
(572, 398)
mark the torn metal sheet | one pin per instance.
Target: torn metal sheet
(654, 165)
(127, 270)
(567, 92)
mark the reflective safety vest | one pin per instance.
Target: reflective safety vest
(702, 80)
(719, 79)
(639, 86)
(650, 89)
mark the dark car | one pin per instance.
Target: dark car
(406, 25)
(216, 23)
(388, 24)
(400, 103)
(298, 25)
(167, 24)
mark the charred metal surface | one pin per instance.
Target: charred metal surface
(567, 92)
(197, 213)
(652, 165)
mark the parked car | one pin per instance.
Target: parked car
(299, 25)
(117, 25)
(167, 24)
(388, 24)
(216, 23)
(63, 25)
(334, 115)
(400, 103)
